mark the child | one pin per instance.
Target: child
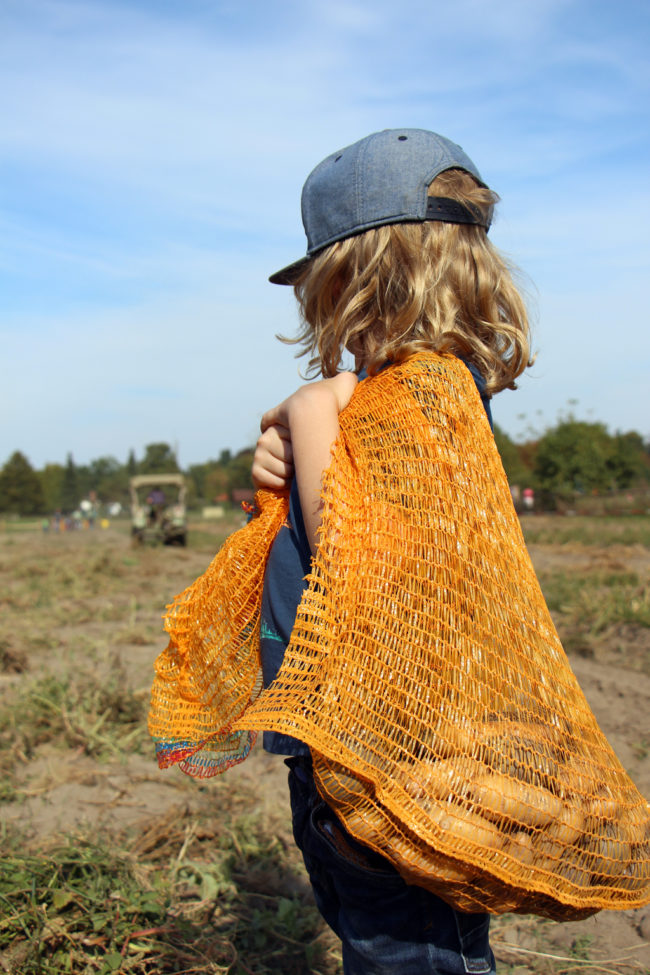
(398, 261)
(379, 618)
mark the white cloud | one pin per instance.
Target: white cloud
(154, 162)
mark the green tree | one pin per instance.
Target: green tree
(213, 481)
(84, 481)
(131, 464)
(20, 487)
(239, 470)
(517, 471)
(159, 458)
(196, 474)
(217, 485)
(628, 461)
(70, 488)
(51, 478)
(108, 479)
(574, 458)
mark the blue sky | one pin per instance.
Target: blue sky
(151, 160)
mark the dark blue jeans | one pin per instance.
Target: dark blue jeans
(386, 926)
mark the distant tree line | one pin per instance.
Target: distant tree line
(61, 487)
(575, 458)
(570, 459)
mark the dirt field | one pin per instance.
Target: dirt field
(80, 630)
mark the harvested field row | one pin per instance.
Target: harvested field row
(111, 865)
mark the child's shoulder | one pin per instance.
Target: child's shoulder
(426, 381)
(427, 367)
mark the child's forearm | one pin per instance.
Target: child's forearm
(314, 425)
(312, 417)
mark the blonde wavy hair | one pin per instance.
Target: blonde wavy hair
(395, 290)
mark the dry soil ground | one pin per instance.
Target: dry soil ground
(82, 626)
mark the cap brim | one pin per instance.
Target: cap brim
(290, 273)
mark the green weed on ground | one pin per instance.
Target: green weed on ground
(186, 895)
(524, 945)
(585, 530)
(103, 718)
(209, 536)
(601, 614)
(601, 598)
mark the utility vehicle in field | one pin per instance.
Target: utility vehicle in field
(158, 513)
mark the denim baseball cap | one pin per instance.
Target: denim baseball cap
(379, 180)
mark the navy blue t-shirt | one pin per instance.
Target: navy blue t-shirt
(284, 581)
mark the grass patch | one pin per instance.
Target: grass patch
(13, 523)
(602, 614)
(185, 895)
(598, 599)
(602, 531)
(101, 717)
(12, 660)
(208, 536)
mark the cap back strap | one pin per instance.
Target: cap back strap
(451, 211)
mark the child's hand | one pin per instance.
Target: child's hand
(273, 461)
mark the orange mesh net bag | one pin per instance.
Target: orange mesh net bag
(446, 727)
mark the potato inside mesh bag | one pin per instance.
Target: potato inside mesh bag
(520, 785)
